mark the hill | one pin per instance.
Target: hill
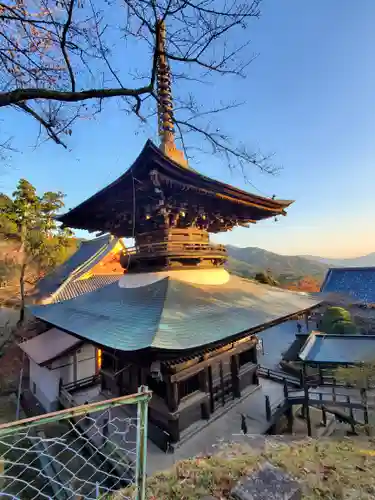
(10, 258)
(363, 261)
(248, 261)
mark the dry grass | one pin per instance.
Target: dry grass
(327, 469)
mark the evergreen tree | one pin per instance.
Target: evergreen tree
(32, 220)
(266, 278)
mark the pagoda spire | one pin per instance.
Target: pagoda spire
(165, 103)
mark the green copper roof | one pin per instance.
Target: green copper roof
(171, 314)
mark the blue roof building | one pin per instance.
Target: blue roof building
(356, 283)
(338, 349)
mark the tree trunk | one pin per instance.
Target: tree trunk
(22, 273)
(22, 291)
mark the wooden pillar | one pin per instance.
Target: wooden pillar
(320, 375)
(222, 383)
(203, 383)
(203, 380)
(324, 413)
(268, 408)
(306, 402)
(172, 396)
(211, 389)
(351, 414)
(290, 419)
(144, 374)
(289, 411)
(235, 371)
(307, 321)
(365, 410)
(174, 430)
(134, 379)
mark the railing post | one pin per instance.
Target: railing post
(351, 414)
(142, 422)
(365, 410)
(324, 414)
(334, 390)
(268, 408)
(286, 392)
(306, 401)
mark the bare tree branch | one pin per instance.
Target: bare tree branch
(19, 95)
(48, 126)
(59, 59)
(64, 40)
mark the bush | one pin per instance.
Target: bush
(344, 328)
(266, 279)
(337, 321)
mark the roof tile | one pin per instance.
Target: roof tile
(358, 283)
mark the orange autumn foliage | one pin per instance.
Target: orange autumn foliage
(306, 284)
(110, 264)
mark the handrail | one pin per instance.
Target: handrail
(83, 382)
(170, 246)
(317, 397)
(269, 373)
(332, 380)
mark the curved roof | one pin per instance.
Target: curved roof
(171, 314)
(338, 349)
(358, 283)
(98, 210)
(89, 253)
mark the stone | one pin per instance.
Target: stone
(268, 483)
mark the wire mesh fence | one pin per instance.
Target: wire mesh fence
(87, 452)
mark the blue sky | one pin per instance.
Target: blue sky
(310, 100)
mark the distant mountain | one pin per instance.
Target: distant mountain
(248, 261)
(363, 261)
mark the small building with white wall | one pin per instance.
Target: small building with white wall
(57, 359)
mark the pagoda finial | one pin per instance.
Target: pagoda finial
(165, 103)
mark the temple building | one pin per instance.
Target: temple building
(176, 320)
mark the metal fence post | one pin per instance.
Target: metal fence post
(140, 473)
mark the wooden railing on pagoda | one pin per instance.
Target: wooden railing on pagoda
(175, 248)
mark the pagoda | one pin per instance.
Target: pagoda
(176, 321)
(167, 207)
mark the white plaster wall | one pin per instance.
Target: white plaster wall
(46, 386)
(78, 365)
(64, 368)
(86, 361)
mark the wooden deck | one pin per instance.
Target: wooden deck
(351, 404)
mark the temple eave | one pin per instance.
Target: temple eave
(181, 186)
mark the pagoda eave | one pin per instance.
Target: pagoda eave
(153, 176)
